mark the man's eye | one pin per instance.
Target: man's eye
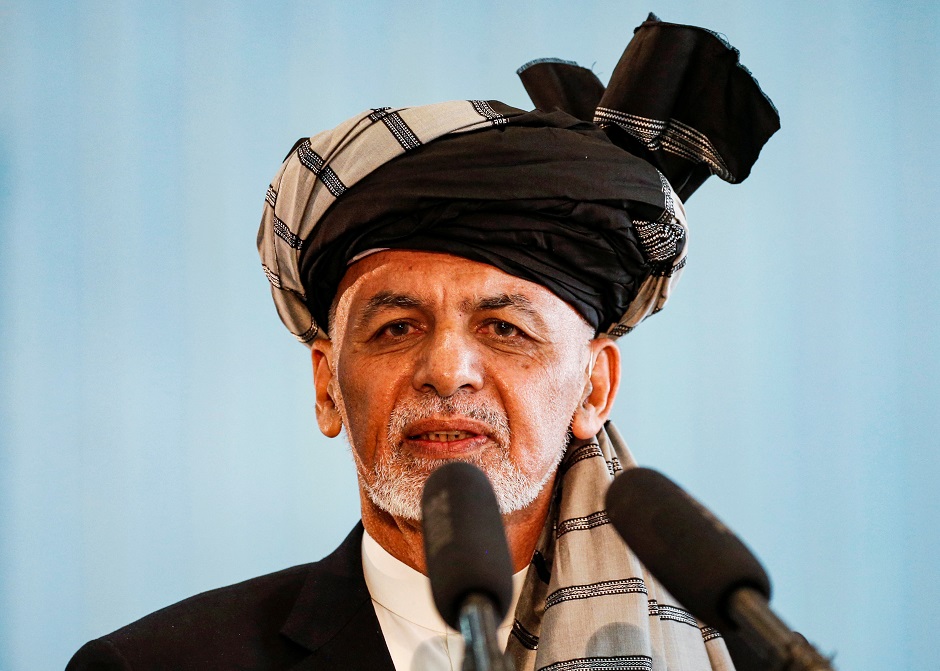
(505, 329)
(397, 330)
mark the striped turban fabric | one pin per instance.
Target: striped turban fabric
(583, 195)
(543, 196)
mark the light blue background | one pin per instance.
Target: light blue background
(157, 435)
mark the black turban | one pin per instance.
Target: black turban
(588, 207)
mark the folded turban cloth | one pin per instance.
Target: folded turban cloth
(582, 195)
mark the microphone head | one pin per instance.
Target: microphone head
(695, 557)
(465, 545)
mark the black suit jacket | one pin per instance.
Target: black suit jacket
(315, 616)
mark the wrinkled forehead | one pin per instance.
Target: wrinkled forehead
(440, 284)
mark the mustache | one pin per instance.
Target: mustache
(431, 406)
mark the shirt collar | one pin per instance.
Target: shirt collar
(407, 592)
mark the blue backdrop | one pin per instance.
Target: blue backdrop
(157, 435)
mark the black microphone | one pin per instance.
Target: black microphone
(704, 566)
(467, 559)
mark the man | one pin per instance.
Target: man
(460, 272)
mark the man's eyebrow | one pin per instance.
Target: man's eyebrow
(383, 300)
(515, 301)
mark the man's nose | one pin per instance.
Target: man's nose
(448, 362)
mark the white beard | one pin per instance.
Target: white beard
(396, 481)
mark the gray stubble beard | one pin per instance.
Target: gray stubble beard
(395, 483)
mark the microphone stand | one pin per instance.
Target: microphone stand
(770, 637)
(478, 626)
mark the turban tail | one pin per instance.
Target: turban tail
(679, 98)
(581, 196)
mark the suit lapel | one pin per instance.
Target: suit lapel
(334, 617)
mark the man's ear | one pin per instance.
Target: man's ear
(599, 390)
(328, 417)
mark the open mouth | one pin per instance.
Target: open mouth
(443, 436)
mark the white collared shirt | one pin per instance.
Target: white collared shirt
(416, 635)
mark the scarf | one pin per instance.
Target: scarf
(588, 602)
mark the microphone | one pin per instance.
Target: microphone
(704, 566)
(467, 559)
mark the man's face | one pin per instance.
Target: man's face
(436, 357)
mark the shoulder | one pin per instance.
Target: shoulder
(248, 625)
(236, 624)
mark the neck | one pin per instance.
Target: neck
(403, 538)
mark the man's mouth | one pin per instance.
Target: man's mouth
(443, 436)
(446, 435)
(437, 438)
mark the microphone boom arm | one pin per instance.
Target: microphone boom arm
(768, 635)
(478, 625)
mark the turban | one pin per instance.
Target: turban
(583, 195)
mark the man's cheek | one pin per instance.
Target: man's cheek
(365, 412)
(357, 408)
(355, 394)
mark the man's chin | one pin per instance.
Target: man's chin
(398, 491)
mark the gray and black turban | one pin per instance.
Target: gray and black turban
(582, 195)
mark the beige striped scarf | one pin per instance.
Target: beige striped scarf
(587, 602)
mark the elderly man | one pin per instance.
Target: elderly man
(460, 272)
